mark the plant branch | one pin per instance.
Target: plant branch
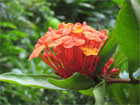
(118, 80)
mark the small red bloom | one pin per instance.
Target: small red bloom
(75, 49)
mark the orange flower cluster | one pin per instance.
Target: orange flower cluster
(75, 49)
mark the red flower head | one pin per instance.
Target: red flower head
(75, 49)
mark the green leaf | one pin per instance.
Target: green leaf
(118, 92)
(28, 22)
(86, 5)
(139, 2)
(30, 80)
(136, 7)
(76, 82)
(106, 53)
(134, 95)
(128, 31)
(132, 68)
(119, 2)
(87, 91)
(8, 24)
(17, 33)
(52, 22)
(99, 92)
(119, 59)
(17, 63)
(111, 42)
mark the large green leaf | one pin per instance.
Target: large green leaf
(136, 7)
(76, 82)
(30, 80)
(132, 67)
(119, 2)
(87, 91)
(106, 53)
(119, 59)
(128, 30)
(134, 95)
(99, 92)
(118, 92)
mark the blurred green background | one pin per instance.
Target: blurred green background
(22, 22)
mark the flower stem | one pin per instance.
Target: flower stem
(117, 80)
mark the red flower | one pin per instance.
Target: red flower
(75, 49)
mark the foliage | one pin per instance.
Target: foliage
(23, 22)
(128, 42)
(99, 91)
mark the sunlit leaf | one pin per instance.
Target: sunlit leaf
(76, 82)
(17, 33)
(52, 22)
(8, 24)
(86, 5)
(87, 91)
(136, 8)
(30, 80)
(119, 2)
(99, 93)
(128, 30)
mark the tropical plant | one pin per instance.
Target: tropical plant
(81, 56)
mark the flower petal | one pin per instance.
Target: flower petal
(77, 29)
(89, 35)
(104, 32)
(58, 41)
(69, 43)
(89, 51)
(78, 41)
(61, 26)
(36, 51)
(88, 28)
(66, 31)
(42, 39)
